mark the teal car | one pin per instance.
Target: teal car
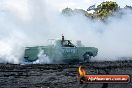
(62, 51)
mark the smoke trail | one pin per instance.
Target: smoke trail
(42, 58)
(39, 21)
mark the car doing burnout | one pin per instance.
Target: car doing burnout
(62, 51)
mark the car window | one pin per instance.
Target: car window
(67, 44)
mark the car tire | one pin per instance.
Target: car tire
(87, 57)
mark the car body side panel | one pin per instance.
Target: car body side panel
(31, 53)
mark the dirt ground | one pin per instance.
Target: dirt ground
(60, 75)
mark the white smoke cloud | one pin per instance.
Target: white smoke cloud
(31, 22)
(42, 58)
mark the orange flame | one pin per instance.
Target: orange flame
(82, 72)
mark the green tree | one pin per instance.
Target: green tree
(102, 11)
(70, 12)
(105, 9)
(67, 11)
(128, 7)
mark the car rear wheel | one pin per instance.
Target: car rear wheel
(87, 57)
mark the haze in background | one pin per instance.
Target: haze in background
(30, 22)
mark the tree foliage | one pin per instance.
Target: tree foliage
(67, 11)
(102, 11)
(105, 9)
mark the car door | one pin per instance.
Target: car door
(69, 52)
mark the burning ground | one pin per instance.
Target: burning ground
(60, 75)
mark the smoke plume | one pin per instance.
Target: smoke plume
(35, 22)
